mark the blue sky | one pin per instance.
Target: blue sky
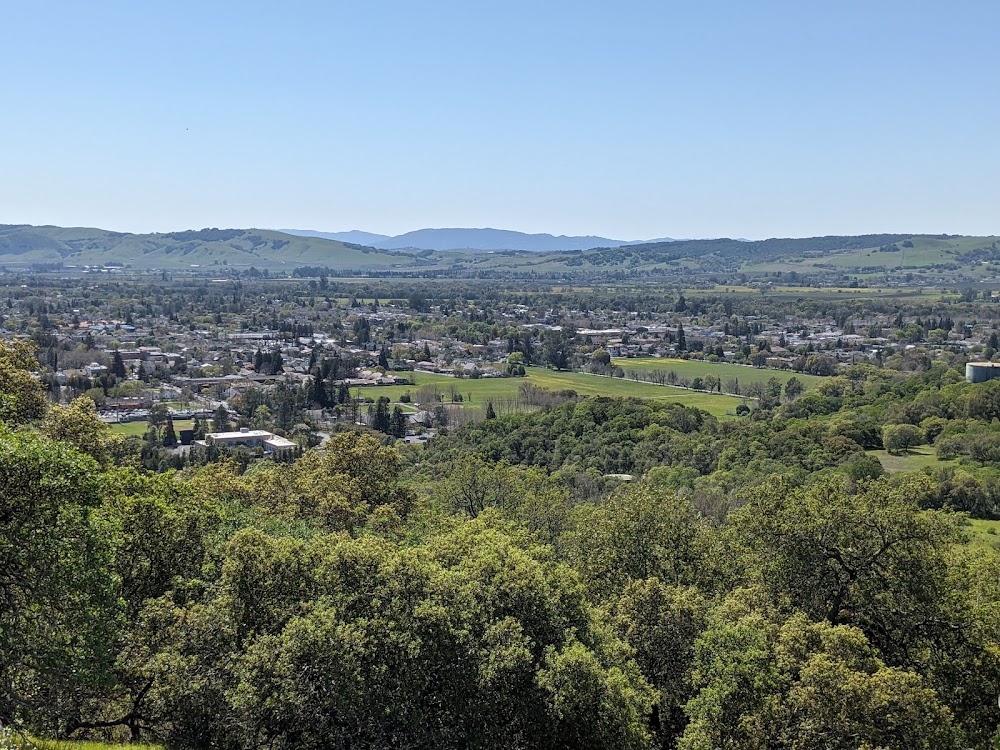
(628, 120)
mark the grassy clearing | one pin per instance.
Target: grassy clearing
(913, 460)
(475, 393)
(693, 368)
(984, 533)
(594, 385)
(138, 429)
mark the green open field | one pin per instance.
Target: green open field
(913, 460)
(983, 533)
(486, 389)
(139, 428)
(692, 368)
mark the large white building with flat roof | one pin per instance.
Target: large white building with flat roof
(270, 442)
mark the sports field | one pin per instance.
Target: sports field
(138, 429)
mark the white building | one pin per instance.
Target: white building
(270, 442)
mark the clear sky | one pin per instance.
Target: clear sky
(624, 119)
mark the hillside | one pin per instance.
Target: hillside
(470, 239)
(77, 246)
(946, 256)
(484, 240)
(354, 236)
(930, 259)
(493, 239)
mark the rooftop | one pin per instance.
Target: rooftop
(240, 434)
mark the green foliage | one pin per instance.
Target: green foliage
(593, 706)
(608, 436)
(759, 583)
(901, 437)
(220, 419)
(662, 623)
(638, 533)
(793, 388)
(335, 489)
(471, 639)
(861, 559)
(79, 425)
(57, 602)
(806, 685)
(22, 398)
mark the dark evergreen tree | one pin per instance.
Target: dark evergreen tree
(169, 435)
(220, 420)
(380, 415)
(118, 366)
(397, 422)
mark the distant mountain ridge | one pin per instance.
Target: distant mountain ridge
(485, 239)
(354, 236)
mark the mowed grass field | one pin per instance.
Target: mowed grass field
(486, 389)
(138, 429)
(693, 368)
(921, 457)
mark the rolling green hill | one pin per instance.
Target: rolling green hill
(912, 253)
(859, 256)
(21, 245)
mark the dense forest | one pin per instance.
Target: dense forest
(761, 583)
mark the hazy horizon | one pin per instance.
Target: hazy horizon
(663, 237)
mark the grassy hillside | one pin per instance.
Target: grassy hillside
(208, 249)
(848, 254)
(22, 245)
(917, 252)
